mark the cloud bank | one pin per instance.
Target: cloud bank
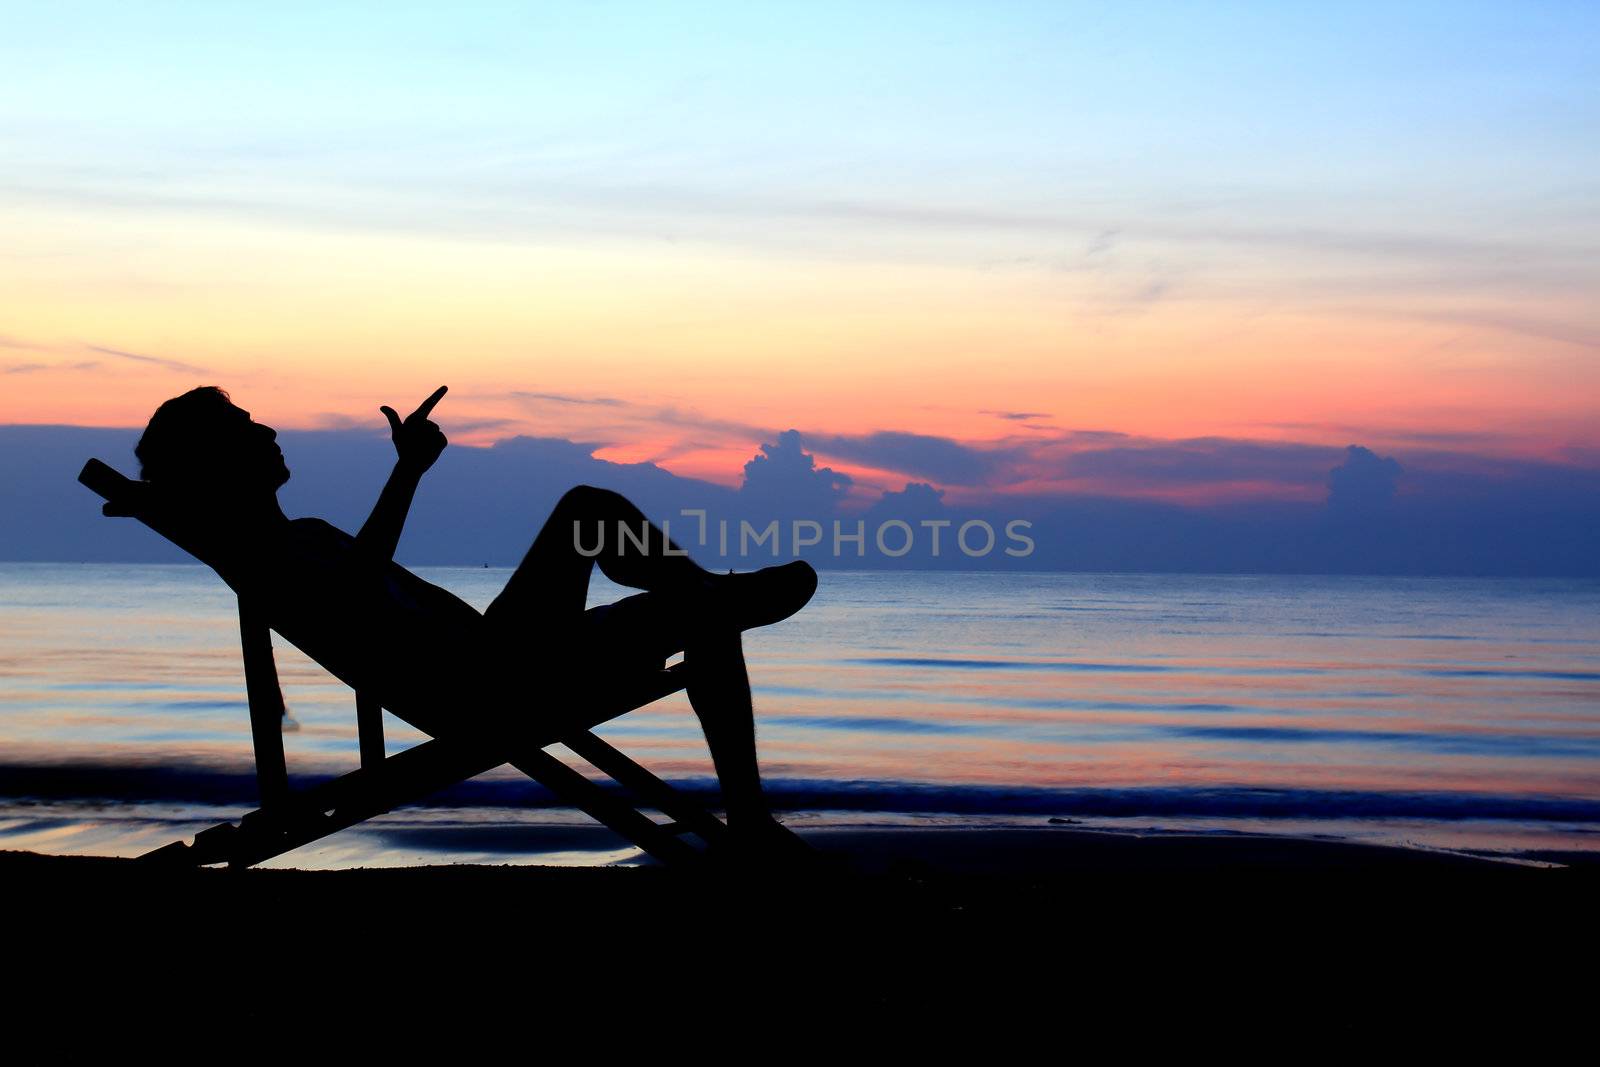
(1347, 510)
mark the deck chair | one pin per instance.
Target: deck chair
(288, 818)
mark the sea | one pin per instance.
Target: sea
(1457, 714)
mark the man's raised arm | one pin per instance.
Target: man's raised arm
(417, 443)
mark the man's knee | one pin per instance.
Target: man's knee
(588, 498)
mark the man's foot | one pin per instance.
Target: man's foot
(763, 597)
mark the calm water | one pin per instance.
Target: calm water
(1440, 712)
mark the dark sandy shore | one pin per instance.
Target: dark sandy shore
(915, 937)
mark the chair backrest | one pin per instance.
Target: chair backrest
(125, 497)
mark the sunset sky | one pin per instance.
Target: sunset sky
(674, 230)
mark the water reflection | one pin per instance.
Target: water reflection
(963, 690)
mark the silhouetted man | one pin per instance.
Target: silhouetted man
(427, 655)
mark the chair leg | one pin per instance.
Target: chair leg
(646, 786)
(590, 798)
(304, 816)
(266, 708)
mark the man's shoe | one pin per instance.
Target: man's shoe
(763, 597)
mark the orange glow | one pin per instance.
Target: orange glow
(692, 358)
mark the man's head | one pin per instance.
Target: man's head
(202, 441)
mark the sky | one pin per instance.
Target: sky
(1007, 249)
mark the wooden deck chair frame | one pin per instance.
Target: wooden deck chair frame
(288, 818)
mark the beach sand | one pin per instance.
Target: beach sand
(916, 938)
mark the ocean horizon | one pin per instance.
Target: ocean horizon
(1444, 713)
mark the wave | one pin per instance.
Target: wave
(1488, 672)
(235, 787)
(1007, 664)
(1485, 744)
(936, 663)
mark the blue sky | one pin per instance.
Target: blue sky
(675, 230)
(1010, 105)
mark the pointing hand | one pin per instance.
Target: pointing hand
(417, 441)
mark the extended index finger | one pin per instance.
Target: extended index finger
(426, 407)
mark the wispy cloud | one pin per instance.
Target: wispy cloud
(479, 425)
(562, 398)
(34, 368)
(1017, 416)
(340, 421)
(1521, 325)
(9, 341)
(1483, 439)
(941, 459)
(586, 205)
(1202, 460)
(744, 431)
(157, 361)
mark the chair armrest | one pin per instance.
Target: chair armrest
(127, 498)
(123, 496)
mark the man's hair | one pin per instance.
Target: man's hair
(174, 447)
